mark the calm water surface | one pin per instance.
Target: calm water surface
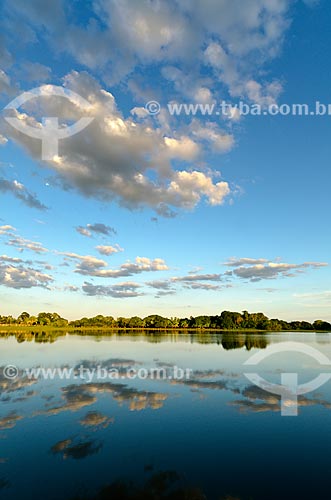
(221, 435)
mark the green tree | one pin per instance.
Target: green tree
(23, 318)
(136, 322)
(322, 325)
(156, 321)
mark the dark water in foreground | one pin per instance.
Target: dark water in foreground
(222, 436)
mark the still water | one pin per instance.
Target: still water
(211, 435)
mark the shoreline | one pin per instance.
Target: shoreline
(74, 329)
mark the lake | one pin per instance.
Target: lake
(103, 417)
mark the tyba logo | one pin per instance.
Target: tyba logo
(289, 389)
(50, 131)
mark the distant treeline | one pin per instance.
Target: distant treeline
(227, 320)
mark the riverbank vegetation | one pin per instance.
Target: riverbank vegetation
(226, 321)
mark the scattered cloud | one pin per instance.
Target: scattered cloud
(6, 229)
(87, 264)
(83, 231)
(21, 276)
(118, 291)
(198, 277)
(220, 141)
(164, 293)
(97, 228)
(191, 281)
(160, 284)
(14, 240)
(25, 244)
(196, 285)
(195, 270)
(236, 262)
(258, 269)
(71, 288)
(12, 260)
(164, 288)
(22, 193)
(108, 249)
(91, 266)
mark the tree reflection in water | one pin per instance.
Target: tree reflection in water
(164, 485)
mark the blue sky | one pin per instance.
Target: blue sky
(176, 215)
